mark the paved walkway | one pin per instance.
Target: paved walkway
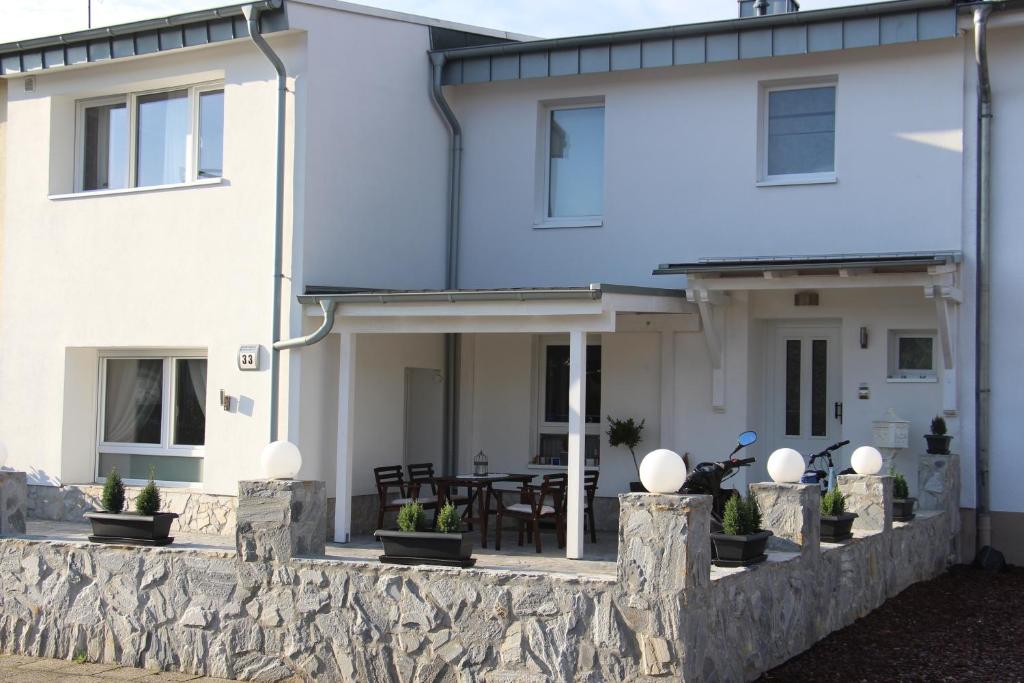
(19, 669)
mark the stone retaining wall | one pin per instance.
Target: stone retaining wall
(265, 614)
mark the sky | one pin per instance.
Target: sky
(544, 18)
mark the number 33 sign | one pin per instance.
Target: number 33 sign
(249, 357)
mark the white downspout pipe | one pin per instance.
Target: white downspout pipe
(252, 18)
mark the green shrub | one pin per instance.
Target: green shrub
(410, 517)
(448, 519)
(113, 492)
(938, 426)
(81, 657)
(900, 489)
(833, 503)
(148, 502)
(742, 516)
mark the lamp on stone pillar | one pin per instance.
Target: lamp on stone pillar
(891, 435)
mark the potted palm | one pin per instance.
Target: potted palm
(146, 526)
(628, 433)
(742, 540)
(414, 543)
(938, 440)
(902, 503)
(836, 522)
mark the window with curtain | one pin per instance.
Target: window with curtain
(154, 418)
(800, 136)
(576, 162)
(105, 146)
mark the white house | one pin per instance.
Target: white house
(781, 211)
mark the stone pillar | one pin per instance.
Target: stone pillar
(13, 502)
(792, 512)
(870, 496)
(664, 568)
(279, 519)
(938, 488)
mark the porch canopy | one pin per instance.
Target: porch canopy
(937, 273)
(577, 311)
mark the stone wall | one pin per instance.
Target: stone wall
(200, 513)
(266, 613)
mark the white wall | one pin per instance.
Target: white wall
(680, 163)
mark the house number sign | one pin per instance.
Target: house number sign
(249, 357)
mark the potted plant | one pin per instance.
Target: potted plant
(938, 440)
(902, 503)
(628, 433)
(146, 526)
(742, 540)
(412, 543)
(836, 522)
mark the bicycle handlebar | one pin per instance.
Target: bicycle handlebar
(744, 461)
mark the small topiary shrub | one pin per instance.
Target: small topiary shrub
(448, 519)
(410, 517)
(833, 503)
(148, 502)
(900, 489)
(938, 426)
(742, 516)
(628, 433)
(113, 492)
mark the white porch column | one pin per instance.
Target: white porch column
(346, 413)
(577, 441)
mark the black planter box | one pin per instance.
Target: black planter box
(903, 509)
(837, 528)
(739, 551)
(938, 445)
(131, 527)
(426, 547)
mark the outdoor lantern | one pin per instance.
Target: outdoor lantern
(280, 460)
(866, 460)
(480, 464)
(785, 466)
(662, 471)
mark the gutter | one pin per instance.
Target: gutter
(983, 283)
(252, 17)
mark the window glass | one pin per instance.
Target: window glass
(133, 401)
(105, 150)
(915, 353)
(556, 384)
(190, 402)
(554, 449)
(161, 467)
(162, 125)
(819, 387)
(211, 134)
(801, 131)
(792, 387)
(576, 156)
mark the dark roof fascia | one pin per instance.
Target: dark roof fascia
(351, 295)
(137, 38)
(824, 262)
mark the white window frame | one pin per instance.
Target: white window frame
(131, 102)
(763, 179)
(166, 447)
(544, 217)
(545, 427)
(897, 374)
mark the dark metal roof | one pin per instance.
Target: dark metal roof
(349, 295)
(137, 38)
(886, 262)
(880, 23)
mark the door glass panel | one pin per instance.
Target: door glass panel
(819, 387)
(792, 387)
(556, 384)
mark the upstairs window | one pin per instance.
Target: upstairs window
(799, 134)
(149, 139)
(575, 168)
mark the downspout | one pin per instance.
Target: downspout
(982, 369)
(451, 341)
(252, 17)
(327, 306)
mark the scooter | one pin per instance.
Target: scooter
(826, 478)
(707, 477)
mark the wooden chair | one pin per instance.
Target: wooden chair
(390, 479)
(590, 489)
(546, 502)
(423, 474)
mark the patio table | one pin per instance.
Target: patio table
(480, 490)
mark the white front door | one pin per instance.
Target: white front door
(804, 387)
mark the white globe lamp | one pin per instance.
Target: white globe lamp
(866, 460)
(280, 460)
(662, 471)
(785, 466)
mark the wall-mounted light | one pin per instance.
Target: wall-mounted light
(225, 400)
(863, 337)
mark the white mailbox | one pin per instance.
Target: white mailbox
(892, 431)
(249, 357)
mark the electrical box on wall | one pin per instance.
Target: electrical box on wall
(249, 357)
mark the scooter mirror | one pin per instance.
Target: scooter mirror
(746, 438)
